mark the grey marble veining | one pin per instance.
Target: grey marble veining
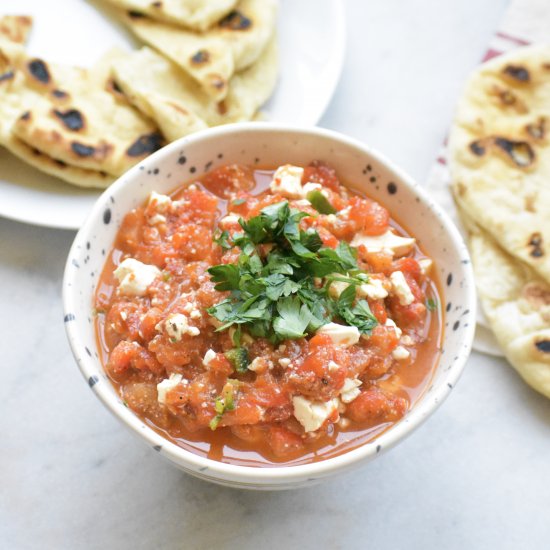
(474, 476)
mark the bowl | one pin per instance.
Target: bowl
(267, 144)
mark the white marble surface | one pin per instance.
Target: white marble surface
(475, 476)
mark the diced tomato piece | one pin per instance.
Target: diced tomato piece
(374, 406)
(283, 442)
(130, 355)
(327, 237)
(318, 172)
(229, 179)
(369, 217)
(378, 310)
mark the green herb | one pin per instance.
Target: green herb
(320, 202)
(273, 296)
(238, 358)
(431, 304)
(238, 202)
(221, 240)
(224, 402)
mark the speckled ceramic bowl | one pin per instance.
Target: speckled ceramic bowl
(271, 145)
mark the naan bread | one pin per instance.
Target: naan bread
(179, 106)
(197, 15)
(15, 28)
(212, 57)
(500, 153)
(67, 114)
(517, 304)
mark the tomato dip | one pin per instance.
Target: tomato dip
(261, 317)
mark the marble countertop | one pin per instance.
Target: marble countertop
(475, 476)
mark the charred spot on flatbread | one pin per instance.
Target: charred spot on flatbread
(537, 295)
(517, 73)
(8, 75)
(506, 98)
(478, 147)
(136, 14)
(519, 152)
(25, 116)
(83, 150)
(536, 245)
(113, 88)
(60, 94)
(217, 82)
(145, 145)
(543, 346)
(156, 4)
(200, 57)
(537, 130)
(38, 69)
(235, 21)
(72, 119)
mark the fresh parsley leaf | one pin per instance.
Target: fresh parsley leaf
(320, 202)
(359, 316)
(227, 276)
(222, 240)
(238, 202)
(347, 297)
(294, 317)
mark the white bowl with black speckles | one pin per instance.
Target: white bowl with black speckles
(268, 144)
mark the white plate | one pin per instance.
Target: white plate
(312, 43)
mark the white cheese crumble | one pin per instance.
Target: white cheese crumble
(177, 325)
(208, 357)
(391, 323)
(284, 362)
(337, 287)
(166, 385)
(425, 265)
(396, 245)
(374, 290)
(313, 414)
(157, 219)
(259, 365)
(350, 390)
(287, 181)
(161, 203)
(341, 335)
(400, 353)
(230, 220)
(134, 277)
(401, 289)
(333, 366)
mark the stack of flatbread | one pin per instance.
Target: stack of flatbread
(500, 166)
(207, 63)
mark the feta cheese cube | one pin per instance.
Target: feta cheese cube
(166, 385)
(134, 277)
(401, 289)
(396, 245)
(161, 203)
(208, 357)
(425, 265)
(177, 325)
(284, 362)
(341, 335)
(350, 390)
(313, 414)
(157, 219)
(231, 220)
(287, 181)
(337, 287)
(374, 290)
(391, 323)
(400, 353)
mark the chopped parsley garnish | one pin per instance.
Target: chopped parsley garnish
(275, 288)
(224, 402)
(431, 304)
(320, 202)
